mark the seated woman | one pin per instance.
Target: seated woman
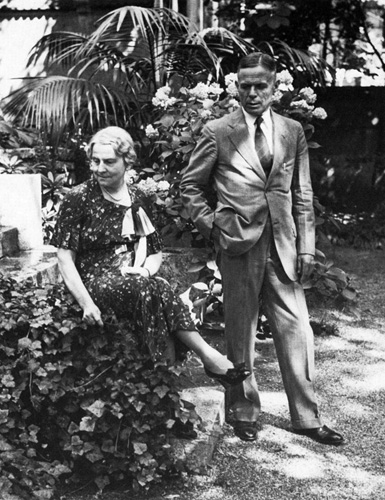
(109, 254)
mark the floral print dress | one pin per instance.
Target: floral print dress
(91, 226)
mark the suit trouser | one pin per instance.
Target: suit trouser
(243, 278)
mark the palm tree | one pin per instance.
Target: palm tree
(110, 76)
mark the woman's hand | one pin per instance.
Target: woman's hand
(142, 271)
(92, 315)
(66, 260)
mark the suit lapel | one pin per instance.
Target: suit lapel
(239, 136)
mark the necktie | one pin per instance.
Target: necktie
(262, 147)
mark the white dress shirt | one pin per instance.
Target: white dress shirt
(266, 126)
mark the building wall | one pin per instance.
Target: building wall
(19, 34)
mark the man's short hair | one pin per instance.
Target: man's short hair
(258, 59)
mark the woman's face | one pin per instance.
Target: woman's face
(107, 167)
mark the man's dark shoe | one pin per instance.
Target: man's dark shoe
(322, 435)
(247, 431)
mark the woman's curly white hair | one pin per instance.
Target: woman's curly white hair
(120, 141)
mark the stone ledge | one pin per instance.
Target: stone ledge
(195, 455)
(39, 264)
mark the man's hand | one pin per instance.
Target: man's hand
(92, 315)
(305, 266)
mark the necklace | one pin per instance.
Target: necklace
(123, 192)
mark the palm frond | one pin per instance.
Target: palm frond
(121, 26)
(56, 103)
(222, 41)
(60, 48)
(299, 61)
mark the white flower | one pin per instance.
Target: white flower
(308, 94)
(231, 78)
(301, 104)
(151, 131)
(162, 98)
(130, 176)
(232, 90)
(231, 84)
(284, 81)
(163, 186)
(200, 91)
(285, 77)
(319, 113)
(277, 96)
(205, 113)
(234, 103)
(215, 89)
(208, 103)
(147, 186)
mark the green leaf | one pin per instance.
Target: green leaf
(161, 390)
(139, 448)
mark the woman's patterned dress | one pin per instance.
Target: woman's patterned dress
(91, 226)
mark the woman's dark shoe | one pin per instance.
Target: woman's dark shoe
(184, 430)
(233, 376)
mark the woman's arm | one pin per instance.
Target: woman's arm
(74, 283)
(150, 267)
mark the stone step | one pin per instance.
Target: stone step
(9, 241)
(39, 264)
(195, 456)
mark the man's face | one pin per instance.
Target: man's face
(256, 88)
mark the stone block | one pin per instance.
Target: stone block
(40, 265)
(9, 241)
(20, 207)
(195, 456)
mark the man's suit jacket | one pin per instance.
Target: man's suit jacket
(225, 156)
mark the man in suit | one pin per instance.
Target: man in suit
(264, 232)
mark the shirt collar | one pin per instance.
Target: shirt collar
(250, 119)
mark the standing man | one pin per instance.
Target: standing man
(264, 233)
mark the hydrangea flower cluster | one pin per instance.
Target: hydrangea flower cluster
(285, 81)
(203, 91)
(319, 113)
(150, 186)
(151, 132)
(162, 98)
(301, 106)
(178, 122)
(308, 94)
(231, 84)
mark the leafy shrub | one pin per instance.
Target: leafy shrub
(178, 119)
(78, 403)
(361, 230)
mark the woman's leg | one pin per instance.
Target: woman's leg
(212, 359)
